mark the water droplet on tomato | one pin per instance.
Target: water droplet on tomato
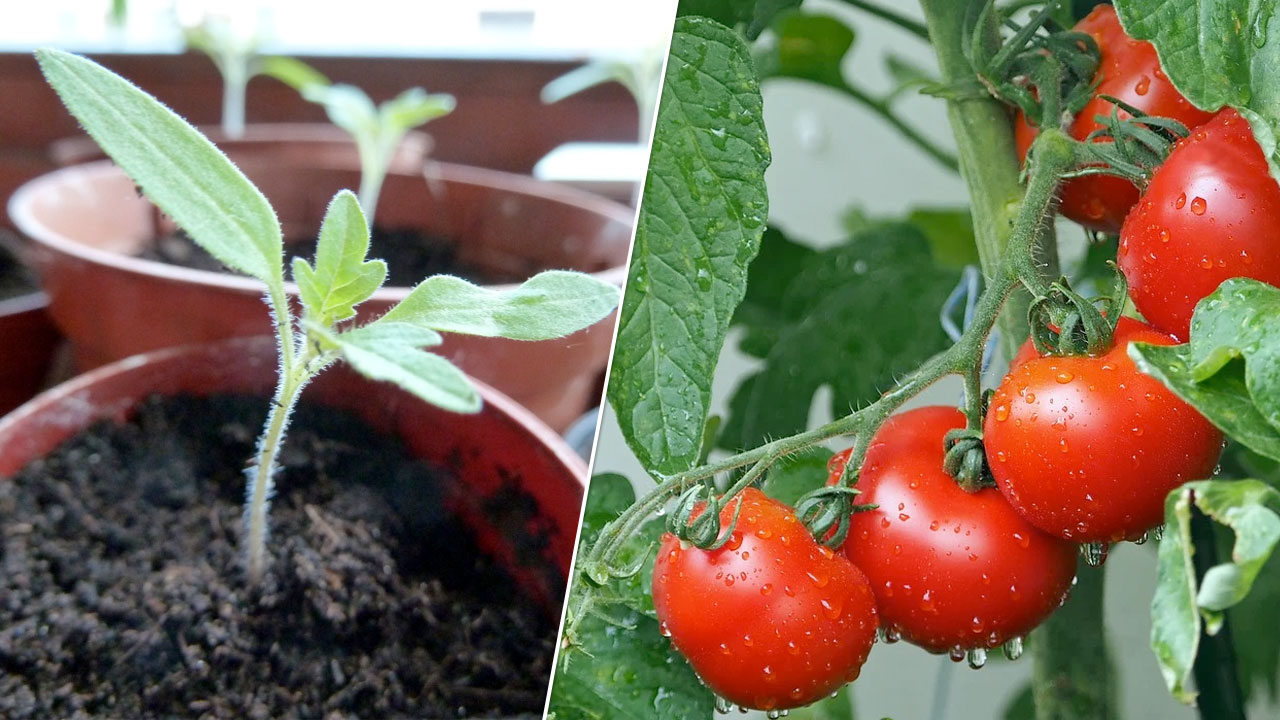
(1064, 377)
(819, 579)
(1181, 201)
(956, 653)
(832, 609)
(1002, 413)
(1206, 263)
(977, 657)
(1198, 206)
(1245, 257)
(1164, 235)
(1001, 456)
(1031, 397)
(1095, 553)
(1013, 648)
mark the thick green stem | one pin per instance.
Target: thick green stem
(1216, 670)
(1072, 671)
(235, 83)
(1072, 677)
(988, 159)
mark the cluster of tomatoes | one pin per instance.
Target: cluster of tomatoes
(1082, 449)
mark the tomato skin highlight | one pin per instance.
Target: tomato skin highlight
(949, 569)
(1129, 71)
(771, 620)
(1087, 448)
(1210, 212)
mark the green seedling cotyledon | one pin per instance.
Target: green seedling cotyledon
(188, 178)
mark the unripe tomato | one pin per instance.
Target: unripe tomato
(1129, 71)
(1087, 448)
(1211, 212)
(771, 620)
(950, 570)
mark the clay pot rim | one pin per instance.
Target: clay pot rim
(26, 222)
(65, 392)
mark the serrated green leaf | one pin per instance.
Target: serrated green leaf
(548, 305)
(1230, 369)
(341, 277)
(390, 352)
(1182, 601)
(794, 475)
(177, 167)
(1216, 52)
(701, 218)
(858, 315)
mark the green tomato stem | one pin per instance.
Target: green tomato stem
(906, 23)
(1072, 675)
(235, 84)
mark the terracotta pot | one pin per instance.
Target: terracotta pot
(88, 223)
(320, 144)
(503, 443)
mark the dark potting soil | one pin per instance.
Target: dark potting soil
(122, 591)
(410, 254)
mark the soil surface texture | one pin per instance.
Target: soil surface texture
(410, 255)
(122, 591)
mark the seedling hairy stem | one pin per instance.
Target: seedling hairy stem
(207, 196)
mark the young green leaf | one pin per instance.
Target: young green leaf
(1230, 370)
(390, 351)
(292, 72)
(548, 305)
(1182, 602)
(704, 209)
(177, 167)
(412, 108)
(348, 107)
(341, 277)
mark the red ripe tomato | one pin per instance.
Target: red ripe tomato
(1087, 448)
(1130, 72)
(1210, 212)
(771, 620)
(950, 570)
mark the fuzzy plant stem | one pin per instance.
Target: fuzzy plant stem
(1069, 649)
(375, 151)
(295, 372)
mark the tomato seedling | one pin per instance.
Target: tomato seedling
(222, 211)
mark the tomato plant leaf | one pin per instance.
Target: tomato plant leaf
(341, 278)
(629, 673)
(177, 167)
(809, 47)
(551, 304)
(1182, 601)
(700, 224)
(1217, 53)
(1230, 370)
(760, 312)
(853, 318)
(390, 352)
